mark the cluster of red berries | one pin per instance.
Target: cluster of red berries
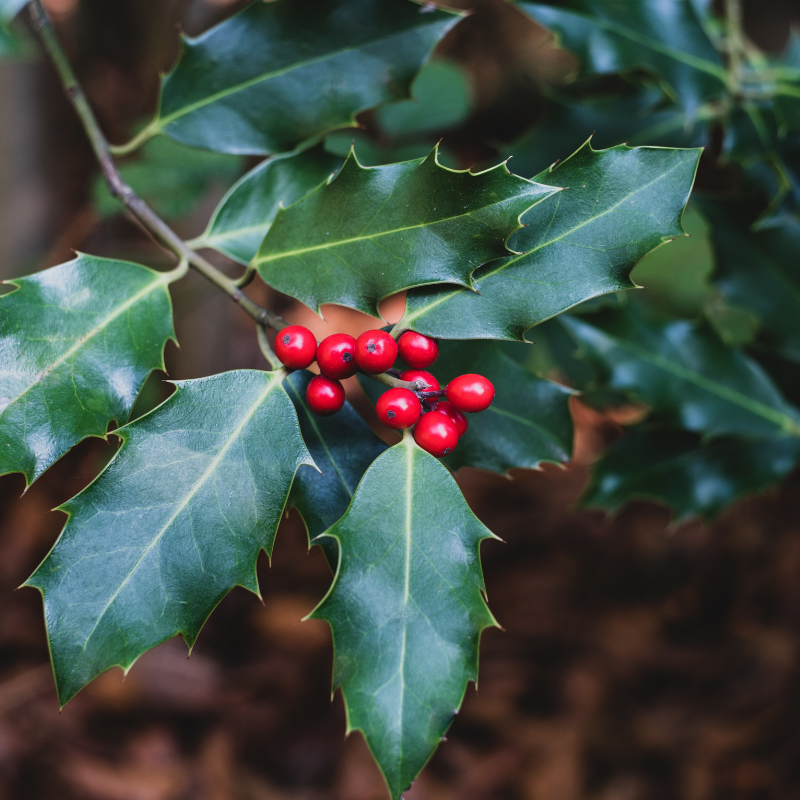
(438, 423)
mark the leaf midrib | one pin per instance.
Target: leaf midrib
(159, 280)
(363, 238)
(271, 384)
(162, 122)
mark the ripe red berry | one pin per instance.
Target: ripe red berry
(398, 408)
(416, 350)
(336, 356)
(471, 393)
(420, 374)
(436, 433)
(376, 351)
(325, 396)
(296, 347)
(455, 416)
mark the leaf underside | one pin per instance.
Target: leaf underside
(406, 608)
(619, 205)
(342, 446)
(77, 342)
(282, 73)
(176, 520)
(374, 231)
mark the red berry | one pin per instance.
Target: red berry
(398, 408)
(471, 393)
(454, 415)
(296, 347)
(436, 433)
(420, 374)
(416, 350)
(325, 396)
(336, 356)
(376, 351)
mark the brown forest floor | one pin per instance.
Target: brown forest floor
(637, 661)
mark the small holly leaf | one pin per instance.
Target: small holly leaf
(245, 214)
(406, 608)
(665, 38)
(342, 446)
(176, 520)
(686, 372)
(757, 270)
(639, 115)
(77, 342)
(528, 422)
(694, 477)
(374, 231)
(619, 205)
(281, 73)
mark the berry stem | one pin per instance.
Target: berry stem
(395, 383)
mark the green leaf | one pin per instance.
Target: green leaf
(342, 446)
(172, 179)
(639, 115)
(176, 520)
(245, 214)
(620, 204)
(406, 608)
(694, 477)
(375, 231)
(10, 8)
(77, 342)
(281, 73)
(686, 372)
(759, 271)
(665, 37)
(528, 423)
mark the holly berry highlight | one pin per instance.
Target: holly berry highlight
(437, 415)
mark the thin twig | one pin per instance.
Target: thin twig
(266, 350)
(120, 190)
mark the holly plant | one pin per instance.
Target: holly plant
(198, 486)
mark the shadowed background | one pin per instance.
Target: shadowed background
(639, 659)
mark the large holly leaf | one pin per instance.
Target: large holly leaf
(694, 477)
(342, 446)
(759, 270)
(176, 520)
(77, 342)
(665, 37)
(620, 204)
(686, 372)
(406, 608)
(281, 73)
(374, 231)
(245, 214)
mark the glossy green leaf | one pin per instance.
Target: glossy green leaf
(759, 271)
(281, 73)
(665, 37)
(342, 446)
(245, 214)
(529, 421)
(693, 477)
(406, 608)
(172, 179)
(684, 370)
(77, 342)
(619, 205)
(176, 520)
(375, 231)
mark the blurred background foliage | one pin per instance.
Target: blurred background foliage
(646, 654)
